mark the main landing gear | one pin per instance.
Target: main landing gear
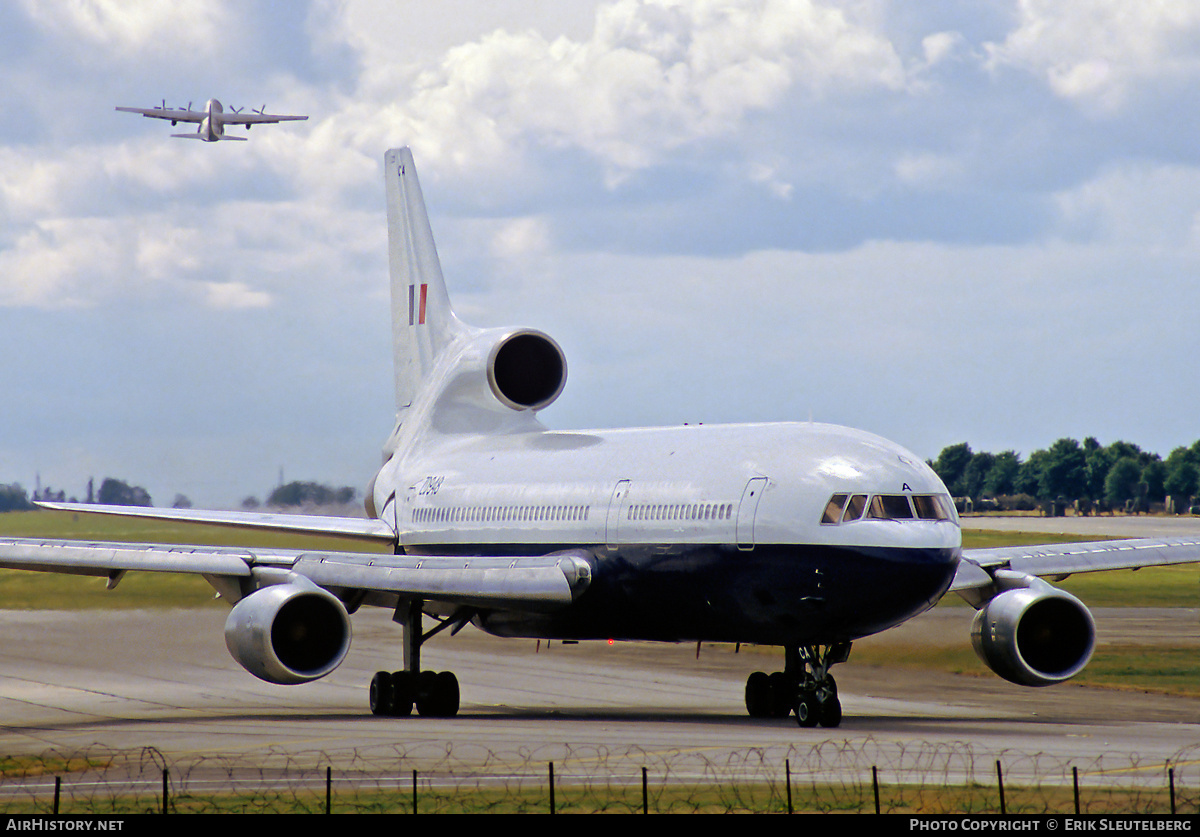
(804, 687)
(435, 694)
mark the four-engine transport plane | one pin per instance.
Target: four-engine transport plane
(806, 536)
(212, 120)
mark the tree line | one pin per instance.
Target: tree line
(115, 492)
(1090, 475)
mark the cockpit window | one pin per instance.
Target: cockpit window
(855, 508)
(833, 509)
(933, 506)
(846, 508)
(890, 507)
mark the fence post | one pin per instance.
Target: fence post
(1000, 784)
(551, 787)
(1171, 780)
(787, 775)
(645, 794)
(165, 798)
(1075, 781)
(414, 791)
(875, 785)
(328, 788)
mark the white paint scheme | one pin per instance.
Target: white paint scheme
(707, 532)
(211, 122)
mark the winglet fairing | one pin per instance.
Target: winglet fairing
(802, 535)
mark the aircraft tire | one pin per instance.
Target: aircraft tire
(447, 685)
(402, 694)
(437, 694)
(831, 712)
(782, 694)
(758, 695)
(807, 709)
(380, 696)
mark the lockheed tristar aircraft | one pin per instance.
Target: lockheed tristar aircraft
(806, 536)
(212, 120)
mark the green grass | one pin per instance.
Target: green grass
(605, 797)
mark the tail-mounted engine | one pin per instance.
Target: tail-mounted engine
(289, 633)
(499, 371)
(526, 370)
(1032, 633)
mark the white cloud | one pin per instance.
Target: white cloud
(1098, 52)
(127, 29)
(225, 295)
(653, 76)
(1136, 204)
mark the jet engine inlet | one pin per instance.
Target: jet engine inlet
(1034, 636)
(527, 370)
(288, 633)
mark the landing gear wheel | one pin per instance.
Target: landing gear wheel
(783, 694)
(402, 694)
(807, 709)
(758, 695)
(381, 693)
(437, 694)
(831, 712)
(831, 708)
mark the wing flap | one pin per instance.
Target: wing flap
(1070, 558)
(535, 583)
(102, 559)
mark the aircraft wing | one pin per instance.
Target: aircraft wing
(312, 524)
(975, 570)
(230, 118)
(539, 582)
(175, 115)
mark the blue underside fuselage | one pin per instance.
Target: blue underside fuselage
(771, 595)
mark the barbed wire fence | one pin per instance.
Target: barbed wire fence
(862, 775)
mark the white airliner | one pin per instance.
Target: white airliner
(212, 120)
(806, 536)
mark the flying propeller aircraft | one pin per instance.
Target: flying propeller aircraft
(212, 120)
(802, 535)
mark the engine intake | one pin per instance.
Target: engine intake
(1036, 635)
(527, 370)
(288, 633)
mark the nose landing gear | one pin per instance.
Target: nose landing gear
(804, 687)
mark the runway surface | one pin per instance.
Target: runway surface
(78, 681)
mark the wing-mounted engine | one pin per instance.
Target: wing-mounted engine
(289, 633)
(1031, 633)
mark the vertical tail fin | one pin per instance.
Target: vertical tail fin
(423, 322)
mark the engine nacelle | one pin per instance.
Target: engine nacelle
(288, 633)
(526, 370)
(1034, 635)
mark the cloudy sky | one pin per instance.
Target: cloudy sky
(954, 221)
